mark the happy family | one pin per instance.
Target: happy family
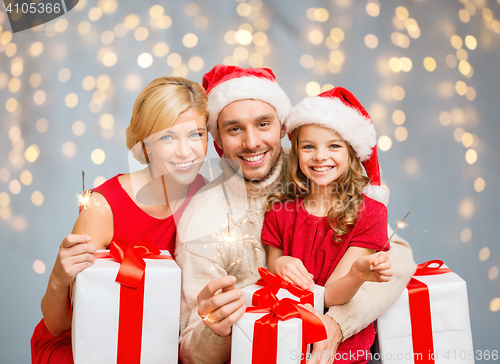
(316, 212)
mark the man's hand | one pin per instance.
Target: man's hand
(220, 305)
(374, 268)
(293, 270)
(323, 352)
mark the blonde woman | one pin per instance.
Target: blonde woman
(167, 132)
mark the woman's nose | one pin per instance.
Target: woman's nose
(183, 148)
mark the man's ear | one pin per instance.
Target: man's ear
(217, 139)
(283, 131)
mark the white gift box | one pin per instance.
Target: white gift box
(451, 332)
(96, 303)
(319, 296)
(289, 340)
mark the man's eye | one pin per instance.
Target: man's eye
(263, 124)
(233, 129)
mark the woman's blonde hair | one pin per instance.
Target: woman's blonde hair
(159, 105)
(347, 190)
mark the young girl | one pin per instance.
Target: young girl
(168, 133)
(328, 225)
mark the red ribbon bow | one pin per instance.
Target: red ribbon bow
(420, 310)
(265, 333)
(131, 278)
(275, 282)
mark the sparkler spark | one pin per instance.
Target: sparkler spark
(401, 225)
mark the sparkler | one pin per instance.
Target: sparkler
(83, 202)
(225, 242)
(401, 225)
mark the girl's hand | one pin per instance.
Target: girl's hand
(374, 268)
(75, 254)
(293, 270)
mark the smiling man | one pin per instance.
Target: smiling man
(247, 111)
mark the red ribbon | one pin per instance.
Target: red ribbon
(276, 282)
(420, 311)
(265, 335)
(131, 278)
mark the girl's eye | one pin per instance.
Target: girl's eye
(335, 146)
(307, 147)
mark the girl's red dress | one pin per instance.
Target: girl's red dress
(290, 227)
(131, 225)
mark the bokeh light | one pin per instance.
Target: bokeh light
(467, 208)
(479, 184)
(384, 143)
(471, 156)
(493, 273)
(26, 178)
(190, 40)
(465, 235)
(99, 181)
(401, 133)
(371, 41)
(38, 267)
(32, 152)
(145, 60)
(68, 149)
(484, 254)
(313, 88)
(429, 64)
(98, 156)
(37, 198)
(71, 100)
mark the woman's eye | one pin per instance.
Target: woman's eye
(196, 135)
(167, 138)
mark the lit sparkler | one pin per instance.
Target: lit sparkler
(83, 202)
(233, 240)
(401, 225)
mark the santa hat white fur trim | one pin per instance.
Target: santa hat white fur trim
(332, 113)
(245, 88)
(378, 193)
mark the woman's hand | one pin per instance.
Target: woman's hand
(374, 268)
(293, 270)
(75, 254)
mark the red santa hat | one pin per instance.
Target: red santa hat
(226, 84)
(338, 109)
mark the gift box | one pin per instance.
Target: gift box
(126, 307)
(275, 332)
(283, 289)
(429, 322)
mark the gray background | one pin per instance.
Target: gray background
(439, 185)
